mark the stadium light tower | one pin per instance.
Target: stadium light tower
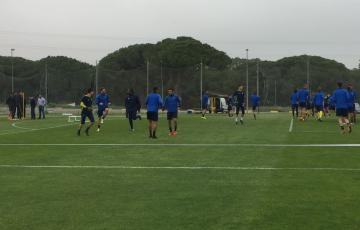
(162, 80)
(247, 80)
(12, 70)
(308, 72)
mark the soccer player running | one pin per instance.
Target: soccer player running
(294, 100)
(132, 105)
(255, 100)
(153, 103)
(204, 104)
(341, 100)
(239, 103)
(318, 102)
(102, 100)
(303, 95)
(86, 111)
(327, 105)
(352, 99)
(171, 104)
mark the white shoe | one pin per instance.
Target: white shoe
(98, 130)
(102, 121)
(203, 118)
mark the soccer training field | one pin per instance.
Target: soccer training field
(213, 175)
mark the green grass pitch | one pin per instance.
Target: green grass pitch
(252, 176)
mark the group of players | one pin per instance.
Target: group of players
(153, 104)
(342, 101)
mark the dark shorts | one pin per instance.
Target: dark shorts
(152, 116)
(172, 115)
(302, 104)
(87, 114)
(204, 106)
(131, 115)
(342, 112)
(351, 109)
(254, 107)
(240, 108)
(294, 106)
(319, 108)
(100, 112)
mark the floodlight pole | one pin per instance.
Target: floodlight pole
(257, 77)
(308, 72)
(275, 94)
(46, 83)
(201, 84)
(147, 77)
(162, 80)
(12, 70)
(247, 80)
(96, 76)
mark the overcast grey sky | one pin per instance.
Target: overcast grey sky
(90, 29)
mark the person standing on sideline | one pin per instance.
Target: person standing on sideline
(23, 105)
(86, 111)
(132, 105)
(239, 103)
(341, 99)
(41, 104)
(172, 104)
(204, 104)
(32, 107)
(11, 104)
(153, 103)
(255, 100)
(17, 100)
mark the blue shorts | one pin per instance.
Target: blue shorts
(131, 115)
(87, 114)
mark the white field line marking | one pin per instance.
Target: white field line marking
(26, 130)
(291, 125)
(181, 145)
(175, 167)
(18, 127)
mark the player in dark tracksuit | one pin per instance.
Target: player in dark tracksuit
(132, 105)
(86, 111)
(17, 100)
(32, 107)
(11, 104)
(238, 99)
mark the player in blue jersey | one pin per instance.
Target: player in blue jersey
(172, 104)
(303, 95)
(102, 100)
(341, 99)
(238, 98)
(294, 100)
(153, 103)
(318, 102)
(352, 99)
(255, 101)
(204, 104)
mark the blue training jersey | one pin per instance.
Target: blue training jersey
(303, 95)
(255, 99)
(205, 100)
(172, 102)
(294, 98)
(352, 98)
(102, 101)
(341, 98)
(318, 99)
(153, 102)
